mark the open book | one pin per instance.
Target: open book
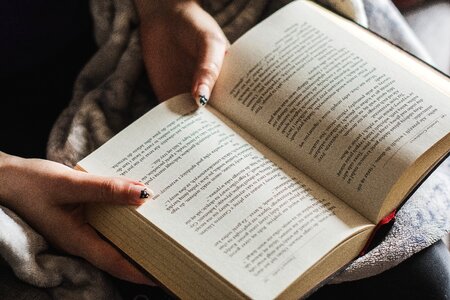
(316, 130)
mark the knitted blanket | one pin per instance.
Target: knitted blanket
(112, 91)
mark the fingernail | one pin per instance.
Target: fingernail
(141, 194)
(203, 94)
(144, 194)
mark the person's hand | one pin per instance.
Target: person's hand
(50, 197)
(183, 47)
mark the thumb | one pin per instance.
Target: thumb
(111, 190)
(212, 50)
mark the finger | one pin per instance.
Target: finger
(212, 50)
(89, 245)
(94, 188)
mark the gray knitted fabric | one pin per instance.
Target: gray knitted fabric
(112, 91)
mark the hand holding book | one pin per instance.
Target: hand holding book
(51, 197)
(183, 48)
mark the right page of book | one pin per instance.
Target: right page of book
(331, 105)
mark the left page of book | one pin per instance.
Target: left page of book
(247, 214)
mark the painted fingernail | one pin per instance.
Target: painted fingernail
(144, 194)
(141, 193)
(202, 100)
(203, 94)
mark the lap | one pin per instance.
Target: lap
(426, 275)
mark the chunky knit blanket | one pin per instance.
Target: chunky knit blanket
(112, 91)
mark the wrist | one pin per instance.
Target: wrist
(8, 164)
(146, 8)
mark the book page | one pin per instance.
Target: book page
(331, 105)
(242, 210)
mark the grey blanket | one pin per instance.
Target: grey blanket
(112, 91)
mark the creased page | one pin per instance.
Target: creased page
(250, 216)
(332, 106)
